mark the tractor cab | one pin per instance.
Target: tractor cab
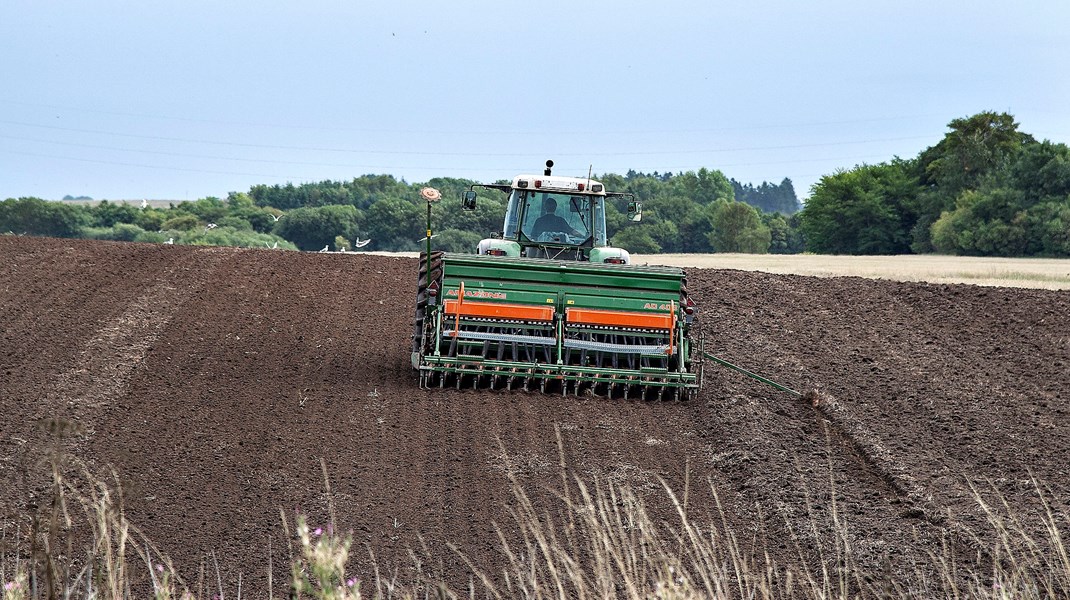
(554, 217)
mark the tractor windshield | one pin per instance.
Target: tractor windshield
(557, 218)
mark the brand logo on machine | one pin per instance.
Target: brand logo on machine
(479, 294)
(652, 306)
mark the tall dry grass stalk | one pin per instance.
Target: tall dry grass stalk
(81, 544)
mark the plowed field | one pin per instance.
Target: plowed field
(215, 381)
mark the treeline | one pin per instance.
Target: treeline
(985, 189)
(206, 222)
(700, 212)
(686, 212)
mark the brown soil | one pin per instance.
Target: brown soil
(215, 381)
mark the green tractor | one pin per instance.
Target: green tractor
(547, 304)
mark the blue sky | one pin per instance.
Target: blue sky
(181, 100)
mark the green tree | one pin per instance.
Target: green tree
(665, 234)
(312, 228)
(784, 237)
(861, 211)
(239, 200)
(35, 216)
(452, 188)
(261, 220)
(120, 232)
(181, 222)
(228, 236)
(394, 224)
(768, 197)
(691, 224)
(1041, 171)
(369, 189)
(616, 220)
(209, 210)
(150, 219)
(106, 214)
(455, 240)
(636, 239)
(488, 215)
(976, 147)
(236, 223)
(1049, 227)
(737, 227)
(704, 186)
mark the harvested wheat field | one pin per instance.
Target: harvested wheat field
(216, 381)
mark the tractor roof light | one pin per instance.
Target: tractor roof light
(596, 187)
(523, 183)
(538, 183)
(579, 187)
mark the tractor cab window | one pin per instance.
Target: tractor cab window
(598, 211)
(512, 213)
(557, 218)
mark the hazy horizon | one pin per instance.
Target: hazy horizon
(122, 100)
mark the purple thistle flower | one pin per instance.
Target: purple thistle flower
(318, 531)
(351, 582)
(10, 586)
(159, 568)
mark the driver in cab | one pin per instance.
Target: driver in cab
(549, 222)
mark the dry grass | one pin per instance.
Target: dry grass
(1039, 273)
(596, 540)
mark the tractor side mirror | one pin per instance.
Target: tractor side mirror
(635, 211)
(468, 200)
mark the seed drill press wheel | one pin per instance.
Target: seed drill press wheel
(421, 338)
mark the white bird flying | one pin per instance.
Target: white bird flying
(144, 203)
(210, 226)
(276, 217)
(358, 243)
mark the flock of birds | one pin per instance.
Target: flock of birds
(357, 243)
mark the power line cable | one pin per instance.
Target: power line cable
(470, 154)
(167, 168)
(359, 166)
(468, 131)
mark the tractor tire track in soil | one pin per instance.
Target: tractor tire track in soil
(216, 381)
